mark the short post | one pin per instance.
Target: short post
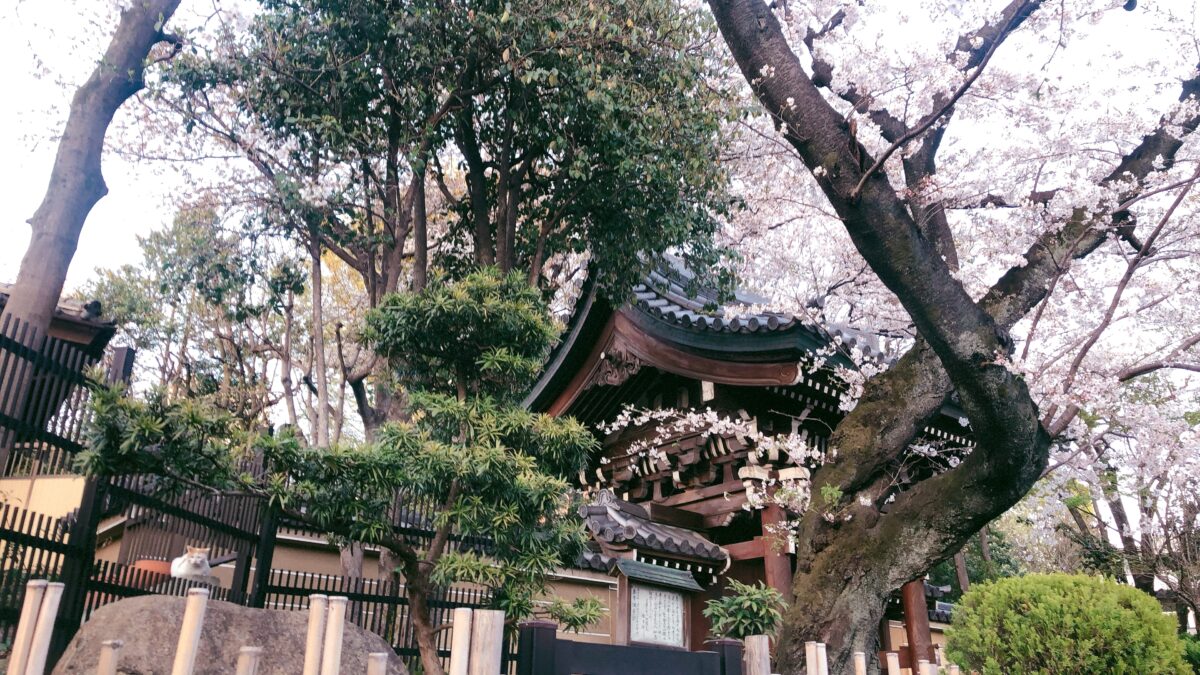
(317, 606)
(954, 669)
(460, 641)
(893, 663)
(535, 647)
(331, 651)
(377, 663)
(860, 663)
(731, 653)
(248, 660)
(39, 648)
(189, 634)
(822, 659)
(487, 642)
(810, 658)
(110, 657)
(35, 590)
(758, 655)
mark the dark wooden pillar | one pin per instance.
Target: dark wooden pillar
(535, 647)
(77, 568)
(777, 562)
(264, 554)
(730, 651)
(916, 621)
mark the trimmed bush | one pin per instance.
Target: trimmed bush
(1058, 624)
(1191, 651)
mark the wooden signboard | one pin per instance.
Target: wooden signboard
(656, 615)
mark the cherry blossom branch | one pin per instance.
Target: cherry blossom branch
(1131, 267)
(931, 119)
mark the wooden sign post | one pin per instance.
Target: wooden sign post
(860, 663)
(487, 642)
(22, 642)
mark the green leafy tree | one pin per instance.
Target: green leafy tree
(1059, 623)
(533, 127)
(749, 609)
(495, 475)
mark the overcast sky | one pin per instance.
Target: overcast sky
(48, 48)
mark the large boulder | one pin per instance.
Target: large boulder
(149, 626)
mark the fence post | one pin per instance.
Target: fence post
(39, 647)
(535, 648)
(860, 663)
(22, 642)
(758, 655)
(77, 566)
(487, 641)
(730, 651)
(264, 554)
(189, 632)
(110, 657)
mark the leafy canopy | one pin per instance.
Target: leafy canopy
(563, 126)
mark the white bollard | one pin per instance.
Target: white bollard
(954, 669)
(860, 663)
(39, 647)
(822, 659)
(377, 663)
(922, 667)
(758, 655)
(110, 657)
(460, 641)
(331, 652)
(487, 641)
(34, 592)
(893, 663)
(810, 658)
(248, 660)
(318, 606)
(189, 634)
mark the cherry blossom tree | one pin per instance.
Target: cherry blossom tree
(944, 172)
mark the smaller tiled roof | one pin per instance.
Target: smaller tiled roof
(595, 561)
(624, 525)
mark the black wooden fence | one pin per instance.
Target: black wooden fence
(542, 653)
(44, 408)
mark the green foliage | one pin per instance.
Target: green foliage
(751, 609)
(486, 333)
(1002, 563)
(1191, 651)
(1059, 623)
(496, 475)
(600, 121)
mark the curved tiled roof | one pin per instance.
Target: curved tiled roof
(669, 295)
(624, 525)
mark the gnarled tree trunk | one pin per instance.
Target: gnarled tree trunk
(848, 566)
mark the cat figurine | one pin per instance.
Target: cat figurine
(193, 566)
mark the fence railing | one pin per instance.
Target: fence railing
(43, 398)
(44, 411)
(32, 546)
(377, 605)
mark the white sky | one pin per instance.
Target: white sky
(49, 47)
